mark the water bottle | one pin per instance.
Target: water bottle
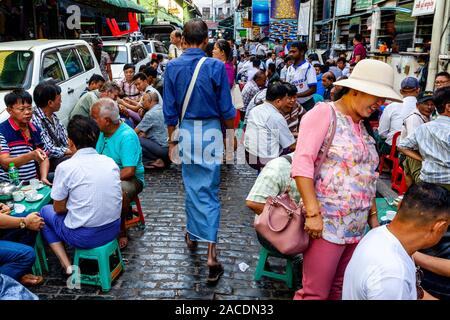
(13, 174)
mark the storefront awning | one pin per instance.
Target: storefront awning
(127, 4)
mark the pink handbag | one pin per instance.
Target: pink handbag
(282, 221)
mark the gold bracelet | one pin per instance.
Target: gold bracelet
(374, 213)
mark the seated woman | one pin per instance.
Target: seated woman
(86, 193)
(152, 133)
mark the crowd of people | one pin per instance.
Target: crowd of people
(292, 106)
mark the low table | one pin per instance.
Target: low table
(36, 206)
(382, 207)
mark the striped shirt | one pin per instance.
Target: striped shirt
(432, 139)
(14, 143)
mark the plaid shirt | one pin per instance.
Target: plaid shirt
(129, 90)
(249, 91)
(274, 179)
(56, 141)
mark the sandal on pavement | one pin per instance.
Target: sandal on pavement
(192, 245)
(214, 273)
(31, 280)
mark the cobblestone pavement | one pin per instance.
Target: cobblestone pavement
(159, 264)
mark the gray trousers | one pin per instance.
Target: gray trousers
(152, 151)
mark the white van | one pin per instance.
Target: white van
(23, 64)
(122, 52)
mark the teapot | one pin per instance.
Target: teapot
(7, 189)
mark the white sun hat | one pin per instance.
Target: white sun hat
(372, 77)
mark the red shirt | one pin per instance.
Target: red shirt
(359, 50)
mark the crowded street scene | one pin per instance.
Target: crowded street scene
(225, 150)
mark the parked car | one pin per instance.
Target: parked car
(122, 52)
(23, 64)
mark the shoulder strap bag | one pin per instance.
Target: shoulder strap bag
(282, 221)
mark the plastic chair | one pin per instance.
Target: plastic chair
(287, 277)
(106, 273)
(391, 156)
(41, 258)
(138, 220)
(399, 180)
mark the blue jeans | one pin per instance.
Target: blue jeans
(17, 251)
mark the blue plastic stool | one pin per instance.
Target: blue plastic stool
(106, 273)
(287, 277)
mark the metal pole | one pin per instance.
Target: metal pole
(213, 11)
(311, 25)
(435, 43)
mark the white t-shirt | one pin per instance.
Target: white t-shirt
(302, 76)
(174, 51)
(414, 120)
(267, 132)
(391, 119)
(91, 184)
(380, 269)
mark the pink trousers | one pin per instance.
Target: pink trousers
(324, 264)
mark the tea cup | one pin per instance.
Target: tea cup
(34, 183)
(390, 214)
(18, 196)
(31, 195)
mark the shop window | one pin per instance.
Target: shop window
(71, 62)
(51, 67)
(137, 53)
(86, 57)
(159, 47)
(397, 29)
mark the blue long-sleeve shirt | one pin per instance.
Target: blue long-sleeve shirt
(211, 97)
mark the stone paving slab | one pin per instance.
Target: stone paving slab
(159, 264)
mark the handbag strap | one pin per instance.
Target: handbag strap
(191, 87)
(329, 141)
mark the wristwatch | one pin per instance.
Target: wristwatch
(22, 223)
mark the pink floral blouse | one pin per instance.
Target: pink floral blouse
(346, 184)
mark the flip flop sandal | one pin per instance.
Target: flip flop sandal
(214, 273)
(192, 245)
(28, 282)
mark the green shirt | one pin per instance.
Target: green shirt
(83, 106)
(124, 148)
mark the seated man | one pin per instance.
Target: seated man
(393, 115)
(382, 267)
(328, 79)
(126, 84)
(83, 106)
(430, 143)
(153, 134)
(47, 97)
(95, 82)
(294, 112)
(20, 140)
(119, 142)
(86, 196)
(422, 114)
(267, 135)
(17, 239)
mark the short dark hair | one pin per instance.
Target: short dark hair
(276, 90)
(17, 95)
(45, 92)
(358, 37)
(258, 74)
(195, 31)
(292, 90)
(225, 47)
(256, 63)
(83, 132)
(443, 74)
(313, 57)
(159, 57)
(271, 67)
(330, 76)
(129, 66)
(150, 72)
(288, 58)
(177, 33)
(341, 59)
(440, 98)
(141, 76)
(153, 61)
(425, 203)
(300, 45)
(96, 78)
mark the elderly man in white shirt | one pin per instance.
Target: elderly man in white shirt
(392, 118)
(86, 193)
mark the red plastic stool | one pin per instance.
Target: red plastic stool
(138, 220)
(399, 186)
(237, 119)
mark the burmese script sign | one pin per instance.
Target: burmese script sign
(423, 7)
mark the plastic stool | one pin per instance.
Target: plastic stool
(40, 255)
(287, 277)
(140, 219)
(106, 273)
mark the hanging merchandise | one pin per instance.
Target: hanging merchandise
(303, 19)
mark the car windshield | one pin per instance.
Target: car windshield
(15, 69)
(159, 47)
(117, 53)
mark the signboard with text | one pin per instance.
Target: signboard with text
(363, 4)
(343, 7)
(423, 7)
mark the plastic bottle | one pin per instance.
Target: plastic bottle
(13, 174)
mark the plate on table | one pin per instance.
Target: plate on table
(37, 198)
(26, 188)
(19, 208)
(41, 185)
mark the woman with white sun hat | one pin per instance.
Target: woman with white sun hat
(339, 198)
